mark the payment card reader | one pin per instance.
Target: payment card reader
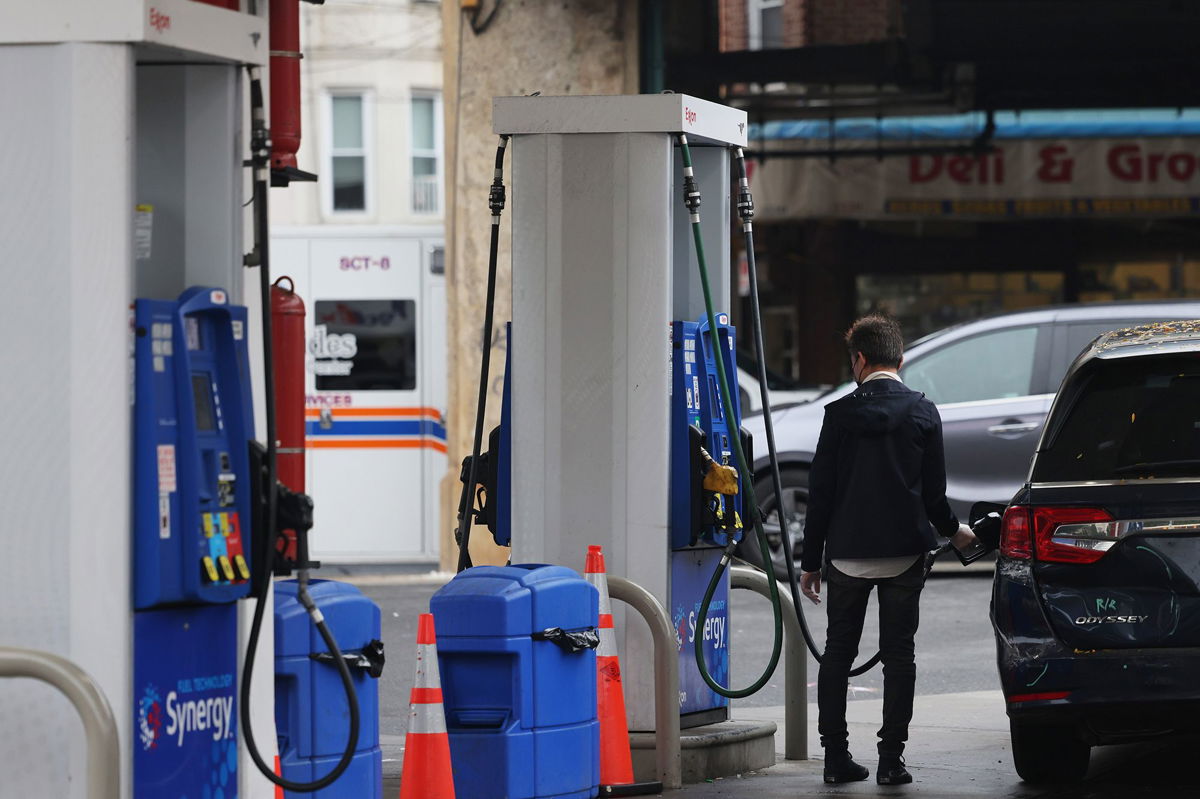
(706, 503)
(192, 420)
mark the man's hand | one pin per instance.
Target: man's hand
(810, 586)
(963, 539)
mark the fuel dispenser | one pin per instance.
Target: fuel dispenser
(707, 510)
(192, 489)
(614, 390)
(209, 517)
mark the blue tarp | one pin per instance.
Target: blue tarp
(1009, 125)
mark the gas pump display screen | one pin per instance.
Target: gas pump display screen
(202, 396)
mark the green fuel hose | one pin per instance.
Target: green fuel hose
(691, 198)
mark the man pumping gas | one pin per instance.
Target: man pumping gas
(877, 494)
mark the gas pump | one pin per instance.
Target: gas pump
(707, 509)
(192, 489)
(209, 515)
(706, 499)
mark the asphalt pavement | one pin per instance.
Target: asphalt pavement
(955, 649)
(959, 738)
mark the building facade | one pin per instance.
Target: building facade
(363, 246)
(371, 92)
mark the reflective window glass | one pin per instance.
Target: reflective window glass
(990, 366)
(364, 345)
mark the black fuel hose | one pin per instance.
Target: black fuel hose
(260, 146)
(745, 207)
(466, 500)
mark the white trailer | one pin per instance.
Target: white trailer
(375, 385)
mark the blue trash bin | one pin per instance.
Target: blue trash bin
(311, 714)
(520, 707)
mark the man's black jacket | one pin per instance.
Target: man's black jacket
(877, 487)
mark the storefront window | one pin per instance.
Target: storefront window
(1137, 280)
(927, 303)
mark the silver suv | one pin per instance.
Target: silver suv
(993, 380)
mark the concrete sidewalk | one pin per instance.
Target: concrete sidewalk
(958, 746)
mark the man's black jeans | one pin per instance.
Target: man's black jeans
(899, 601)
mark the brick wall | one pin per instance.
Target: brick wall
(848, 21)
(814, 22)
(795, 27)
(735, 31)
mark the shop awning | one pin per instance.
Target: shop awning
(1041, 164)
(966, 127)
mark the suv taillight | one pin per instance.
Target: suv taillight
(1015, 541)
(1072, 535)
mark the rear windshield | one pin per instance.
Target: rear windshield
(1126, 418)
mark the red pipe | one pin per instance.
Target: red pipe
(285, 82)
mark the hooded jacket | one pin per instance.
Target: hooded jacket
(877, 487)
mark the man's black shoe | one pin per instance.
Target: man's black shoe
(892, 772)
(842, 768)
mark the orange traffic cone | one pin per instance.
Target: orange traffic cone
(426, 773)
(278, 773)
(616, 763)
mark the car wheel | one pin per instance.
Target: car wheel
(1048, 753)
(795, 506)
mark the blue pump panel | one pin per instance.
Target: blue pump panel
(521, 712)
(312, 720)
(185, 735)
(691, 569)
(192, 421)
(695, 403)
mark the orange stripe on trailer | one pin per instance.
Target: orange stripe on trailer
(315, 412)
(426, 696)
(374, 443)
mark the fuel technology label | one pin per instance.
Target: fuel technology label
(691, 569)
(185, 703)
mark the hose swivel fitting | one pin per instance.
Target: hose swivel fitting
(745, 204)
(496, 197)
(691, 193)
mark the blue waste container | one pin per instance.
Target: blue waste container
(311, 714)
(520, 704)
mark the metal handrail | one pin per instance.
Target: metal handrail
(795, 685)
(99, 726)
(666, 677)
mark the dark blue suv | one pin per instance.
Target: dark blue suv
(1096, 606)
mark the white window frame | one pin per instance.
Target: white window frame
(438, 153)
(367, 153)
(754, 9)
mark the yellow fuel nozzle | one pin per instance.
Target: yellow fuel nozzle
(718, 477)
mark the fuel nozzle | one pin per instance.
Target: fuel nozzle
(295, 515)
(718, 478)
